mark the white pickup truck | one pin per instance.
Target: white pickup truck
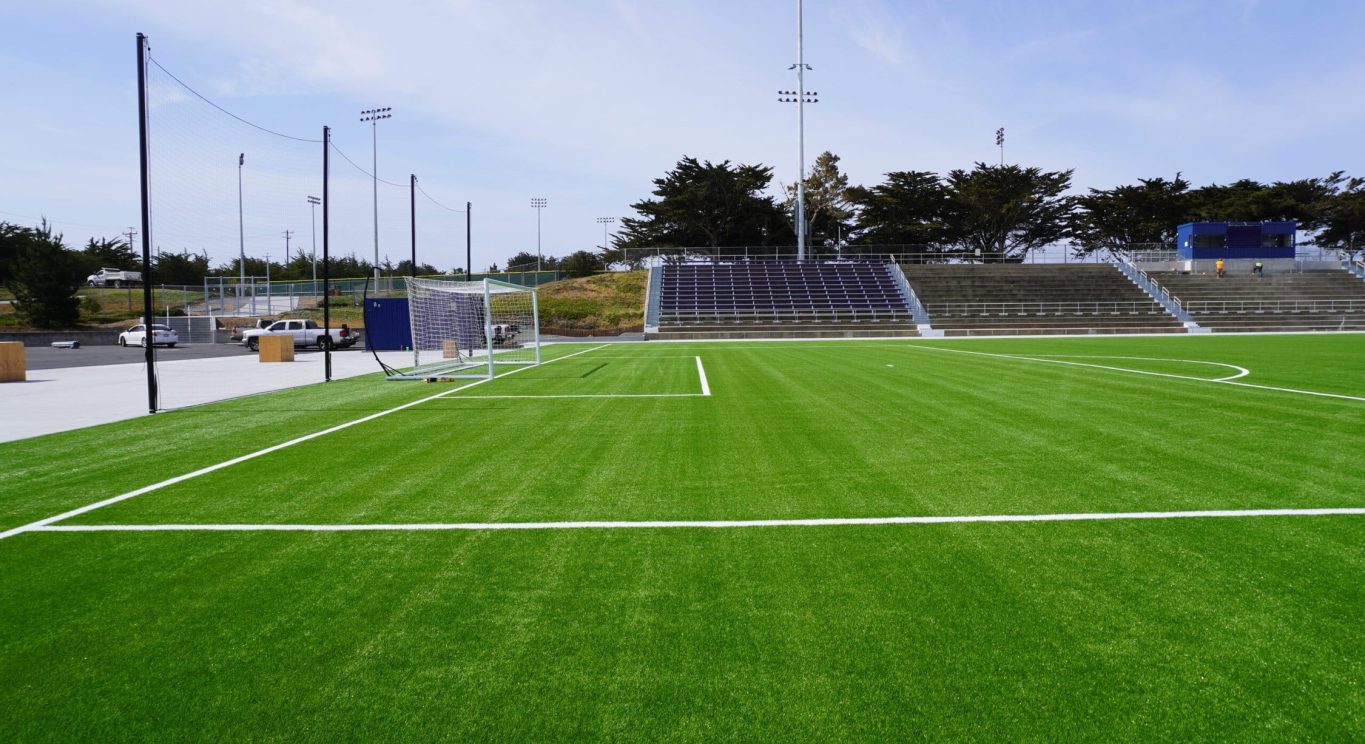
(305, 332)
(116, 277)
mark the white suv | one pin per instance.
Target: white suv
(161, 336)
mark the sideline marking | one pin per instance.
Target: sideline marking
(260, 452)
(705, 387)
(698, 524)
(1221, 381)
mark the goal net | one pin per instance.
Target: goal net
(466, 329)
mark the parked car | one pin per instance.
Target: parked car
(161, 336)
(116, 277)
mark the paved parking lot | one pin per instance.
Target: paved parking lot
(100, 384)
(46, 357)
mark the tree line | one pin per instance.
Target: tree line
(44, 275)
(997, 212)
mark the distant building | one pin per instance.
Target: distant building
(1213, 240)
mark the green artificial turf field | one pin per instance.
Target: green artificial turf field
(228, 606)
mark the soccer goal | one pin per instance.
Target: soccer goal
(466, 329)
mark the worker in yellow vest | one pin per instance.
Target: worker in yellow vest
(1219, 266)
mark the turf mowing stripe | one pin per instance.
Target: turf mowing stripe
(701, 524)
(701, 371)
(1218, 381)
(266, 451)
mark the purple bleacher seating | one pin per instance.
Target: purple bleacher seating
(780, 292)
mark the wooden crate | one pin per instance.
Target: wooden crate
(277, 348)
(450, 349)
(12, 367)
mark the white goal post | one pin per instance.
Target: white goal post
(465, 329)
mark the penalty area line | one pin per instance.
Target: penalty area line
(701, 524)
(258, 453)
(1232, 381)
(705, 386)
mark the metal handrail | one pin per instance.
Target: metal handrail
(1275, 306)
(1098, 307)
(739, 316)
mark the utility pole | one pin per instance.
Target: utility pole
(800, 97)
(287, 235)
(132, 232)
(468, 243)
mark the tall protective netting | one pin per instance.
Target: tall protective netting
(466, 329)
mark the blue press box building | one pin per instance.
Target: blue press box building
(1214, 240)
(387, 326)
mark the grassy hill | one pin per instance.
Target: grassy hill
(601, 304)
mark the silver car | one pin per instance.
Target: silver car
(161, 336)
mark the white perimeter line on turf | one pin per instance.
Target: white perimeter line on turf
(582, 395)
(705, 386)
(1223, 381)
(260, 452)
(699, 524)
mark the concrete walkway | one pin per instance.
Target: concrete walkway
(66, 398)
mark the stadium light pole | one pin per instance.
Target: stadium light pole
(373, 116)
(1000, 142)
(313, 203)
(241, 229)
(800, 97)
(604, 221)
(538, 203)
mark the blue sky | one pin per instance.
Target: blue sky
(584, 103)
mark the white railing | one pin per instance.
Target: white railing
(1122, 307)
(1281, 307)
(1153, 288)
(742, 317)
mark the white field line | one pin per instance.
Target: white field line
(700, 524)
(701, 372)
(259, 453)
(581, 395)
(1241, 371)
(1219, 381)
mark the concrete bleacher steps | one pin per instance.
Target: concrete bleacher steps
(1033, 299)
(781, 299)
(1321, 300)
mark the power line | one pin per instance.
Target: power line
(362, 170)
(229, 113)
(433, 201)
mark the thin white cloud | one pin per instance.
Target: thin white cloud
(874, 27)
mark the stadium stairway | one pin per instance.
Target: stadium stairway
(1321, 300)
(780, 299)
(1030, 299)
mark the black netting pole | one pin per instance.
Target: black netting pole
(148, 336)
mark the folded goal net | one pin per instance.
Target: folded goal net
(467, 329)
